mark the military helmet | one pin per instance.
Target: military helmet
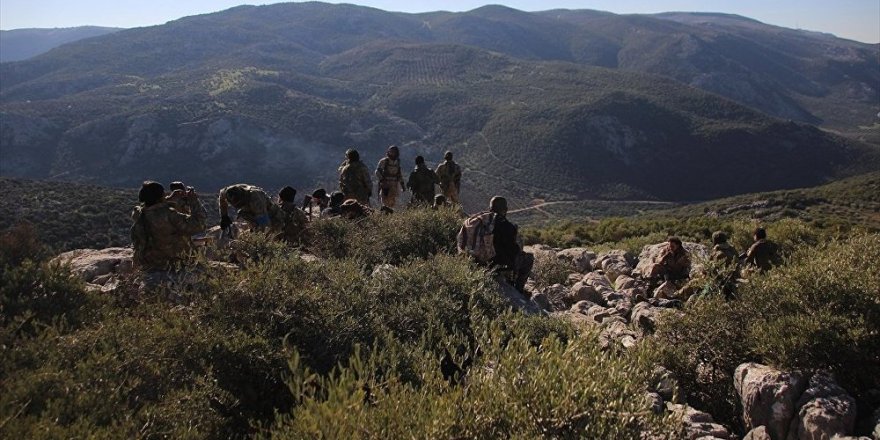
(151, 192)
(352, 154)
(498, 204)
(447, 155)
(319, 193)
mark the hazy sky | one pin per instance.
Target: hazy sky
(854, 19)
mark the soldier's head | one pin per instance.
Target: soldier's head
(320, 196)
(236, 195)
(337, 198)
(760, 234)
(498, 205)
(352, 155)
(151, 193)
(719, 237)
(393, 152)
(420, 160)
(287, 194)
(177, 186)
(447, 155)
(439, 200)
(674, 244)
(351, 209)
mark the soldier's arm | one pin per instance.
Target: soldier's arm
(457, 177)
(188, 223)
(222, 203)
(379, 173)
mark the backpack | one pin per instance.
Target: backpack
(475, 237)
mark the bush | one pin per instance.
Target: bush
(514, 390)
(822, 311)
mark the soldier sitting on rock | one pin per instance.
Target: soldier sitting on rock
(673, 266)
(508, 246)
(161, 235)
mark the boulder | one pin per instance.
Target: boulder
(825, 410)
(582, 307)
(768, 397)
(645, 316)
(574, 278)
(624, 282)
(664, 383)
(615, 267)
(697, 424)
(618, 254)
(582, 292)
(654, 402)
(540, 300)
(759, 433)
(90, 264)
(581, 259)
(516, 299)
(651, 253)
(540, 251)
(598, 281)
(617, 333)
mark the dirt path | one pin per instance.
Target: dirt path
(539, 207)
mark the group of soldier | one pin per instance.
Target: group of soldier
(164, 224)
(673, 266)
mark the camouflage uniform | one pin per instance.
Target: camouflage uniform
(255, 207)
(724, 253)
(161, 235)
(421, 182)
(763, 255)
(390, 178)
(295, 222)
(355, 182)
(449, 174)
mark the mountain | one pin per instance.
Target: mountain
(21, 44)
(274, 94)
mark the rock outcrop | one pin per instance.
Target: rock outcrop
(769, 397)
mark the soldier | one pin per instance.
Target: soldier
(421, 182)
(449, 174)
(390, 177)
(177, 202)
(295, 220)
(161, 235)
(354, 178)
(318, 198)
(508, 247)
(763, 254)
(253, 206)
(722, 251)
(351, 209)
(332, 210)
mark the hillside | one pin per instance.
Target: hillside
(273, 95)
(21, 44)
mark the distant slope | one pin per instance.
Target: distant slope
(274, 94)
(21, 44)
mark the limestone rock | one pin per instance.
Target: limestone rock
(617, 333)
(540, 300)
(825, 410)
(768, 397)
(581, 259)
(697, 424)
(598, 281)
(614, 267)
(581, 292)
(654, 402)
(664, 383)
(90, 264)
(645, 316)
(759, 433)
(624, 282)
(651, 253)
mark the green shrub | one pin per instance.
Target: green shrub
(514, 390)
(549, 270)
(821, 311)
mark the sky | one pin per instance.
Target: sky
(854, 19)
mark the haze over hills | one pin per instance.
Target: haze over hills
(21, 44)
(560, 104)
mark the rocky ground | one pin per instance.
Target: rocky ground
(605, 292)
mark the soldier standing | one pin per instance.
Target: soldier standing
(354, 178)
(421, 182)
(390, 177)
(449, 174)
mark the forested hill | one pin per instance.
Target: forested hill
(554, 105)
(21, 44)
